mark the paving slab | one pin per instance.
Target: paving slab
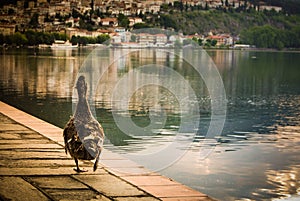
(5, 171)
(145, 198)
(75, 195)
(169, 191)
(150, 180)
(15, 188)
(57, 182)
(188, 199)
(38, 163)
(26, 141)
(12, 127)
(110, 185)
(29, 146)
(12, 136)
(32, 156)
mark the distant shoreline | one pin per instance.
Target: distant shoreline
(7, 47)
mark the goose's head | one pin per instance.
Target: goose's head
(81, 86)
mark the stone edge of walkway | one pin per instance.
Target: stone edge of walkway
(158, 186)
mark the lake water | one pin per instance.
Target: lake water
(166, 109)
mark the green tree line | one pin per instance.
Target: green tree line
(104, 38)
(271, 37)
(31, 38)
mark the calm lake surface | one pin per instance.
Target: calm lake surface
(256, 155)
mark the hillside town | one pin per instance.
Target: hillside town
(114, 18)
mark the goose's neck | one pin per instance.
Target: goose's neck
(83, 111)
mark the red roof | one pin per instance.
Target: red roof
(109, 19)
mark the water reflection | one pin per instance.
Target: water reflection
(286, 181)
(257, 156)
(38, 75)
(146, 96)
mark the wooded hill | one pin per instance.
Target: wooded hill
(246, 25)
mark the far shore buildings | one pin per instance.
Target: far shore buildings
(84, 33)
(7, 29)
(222, 39)
(55, 16)
(124, 39)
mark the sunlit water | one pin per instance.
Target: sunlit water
(256, 156)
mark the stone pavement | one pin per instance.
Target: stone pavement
(34, 166)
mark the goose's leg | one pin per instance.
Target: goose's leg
(96, 162)
(77, 167)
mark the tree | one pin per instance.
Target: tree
(177, 44)
(11, 11)
(34, 21)
(89, 27)
(167, 21)
(141, 26)
(76, 14)
(164, 7)
(195, 39)
(208, 43)
(49, 18)
(19, 39)
(99, 13)
(31, 37)
(133, 38)
(267, 37)
(102, 38)
(8, 39)
(48, 38)
(92, 5)
(226, 3)
(123, 20)
(59, 36)
(187, 42)
(206, 6)
(1, 39)
(82, 40)
(181, 6)
(69, 24)
(214, 42)
(200, 42)
(74, 40)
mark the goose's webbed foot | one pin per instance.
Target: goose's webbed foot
(77, 169)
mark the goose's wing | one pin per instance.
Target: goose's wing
(65, 135)
(92, 136)
(71, 139)
(69, 132)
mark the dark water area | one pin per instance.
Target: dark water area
(255, 157)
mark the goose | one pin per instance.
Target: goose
(83, 134)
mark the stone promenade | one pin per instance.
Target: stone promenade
(34, 166)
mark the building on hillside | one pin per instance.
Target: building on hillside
(266, 7)
(153, 8)
(84, 33)
(145, 39)
(151, 40)
(195, 36)
(7, 29)
(176, 38)
(116, 38)
(222, 39)
(110, 21)
(161, 39)
(135, 20)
